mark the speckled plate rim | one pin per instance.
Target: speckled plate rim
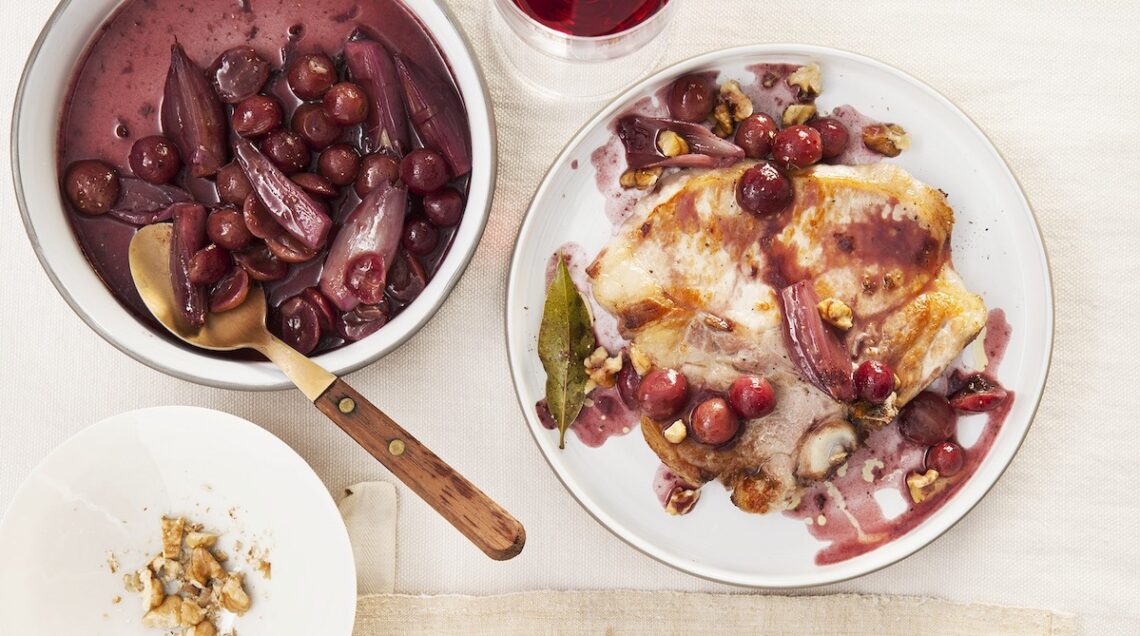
(263, 376)
(662, 555)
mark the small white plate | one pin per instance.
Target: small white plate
(997, 249)
(103, 491)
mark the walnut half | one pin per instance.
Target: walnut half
(923, 486)
(808, 79)
(886, 139)
(835, 312)
(798, 114)
(642, 179)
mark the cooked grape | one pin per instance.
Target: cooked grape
(339, 163)
(238, 73)
(255, 116)
(764, 189)
(208, 265)
(287, 151)
(691, 98)
(233, 186)
(420, 237)
(375, 170)
(751, 397)
(226, 227)
(662, 393)
(833, 136)
(346, 104)
(755, 135)
(714, 423)
(444, 207)
(424, 171)
(927, 419)
(155, 159)
(314, 126)
(91, 186)
(797, 146)
(311, 76)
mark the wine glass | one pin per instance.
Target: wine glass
(583, 50)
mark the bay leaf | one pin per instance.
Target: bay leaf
(565, 340)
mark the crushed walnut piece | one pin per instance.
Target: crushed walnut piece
(682, 500)
(886, 139)
(835, 312)
(601, 369)
(676, 432)
(671, 144)
(808, 79)
(642, 179)
(923, 486)
(191, 565)
(798, 114)
(641, 362)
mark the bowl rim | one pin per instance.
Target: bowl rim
(442, 289)
(662, 554)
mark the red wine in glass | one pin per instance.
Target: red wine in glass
(590, 18)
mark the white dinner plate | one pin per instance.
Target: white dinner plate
(103, 492)
(997, 249)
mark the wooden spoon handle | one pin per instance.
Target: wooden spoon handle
(473, 513)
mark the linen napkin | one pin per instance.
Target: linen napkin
(620, 613)
(369, 511)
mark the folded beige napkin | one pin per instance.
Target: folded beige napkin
(369, 511)
(617, 613)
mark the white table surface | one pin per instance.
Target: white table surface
(1056, 86)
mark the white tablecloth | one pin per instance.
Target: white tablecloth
(1057, 87)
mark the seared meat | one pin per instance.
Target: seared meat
(694, 282)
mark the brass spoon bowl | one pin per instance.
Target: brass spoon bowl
(477, 516)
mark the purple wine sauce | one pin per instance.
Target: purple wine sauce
(603, 416)
(844, 510)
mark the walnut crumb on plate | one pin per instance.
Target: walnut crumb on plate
(190, 567)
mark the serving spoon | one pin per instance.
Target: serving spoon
(490, 527)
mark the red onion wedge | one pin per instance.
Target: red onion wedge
(371, 66)
(706, 150)
(192, 115)
(288, 202)
(437, 113)
(141, 203)
(814, 346)
(357, 266)
(189, 236)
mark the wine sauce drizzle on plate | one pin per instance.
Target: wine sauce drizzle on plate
(846, 510)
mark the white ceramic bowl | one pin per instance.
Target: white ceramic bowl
(35, 123)
(997, 249)
(104, 491)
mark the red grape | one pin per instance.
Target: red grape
(751, 397)
(874, 381)
(946, 457)
(755, 135)
(714, 423)
(662, 393)
(797, 146)
(691, 98)
(763, 189)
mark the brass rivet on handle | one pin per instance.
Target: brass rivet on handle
(396, 447)
(346, 405)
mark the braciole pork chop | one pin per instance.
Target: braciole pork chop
(699, 285)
